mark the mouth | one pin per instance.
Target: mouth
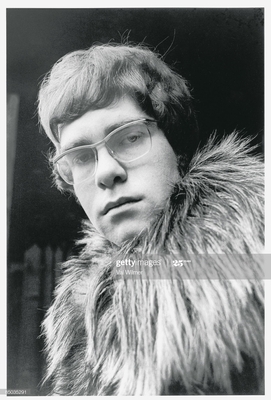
(119, 203)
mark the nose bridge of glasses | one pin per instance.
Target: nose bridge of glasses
(102, 148)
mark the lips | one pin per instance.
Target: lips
(120, 202)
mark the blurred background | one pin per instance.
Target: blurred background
(219, 51)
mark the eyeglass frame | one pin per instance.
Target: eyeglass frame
(110, 151)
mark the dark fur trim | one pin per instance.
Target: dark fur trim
(175, 335)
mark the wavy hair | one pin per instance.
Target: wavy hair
(96, 77)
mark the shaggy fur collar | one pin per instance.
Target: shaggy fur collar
(174, 334)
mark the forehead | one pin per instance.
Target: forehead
(94, 125)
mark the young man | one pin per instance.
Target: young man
(126, 145)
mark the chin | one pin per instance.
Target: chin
(128, 232)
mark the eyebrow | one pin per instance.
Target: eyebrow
(110, 128)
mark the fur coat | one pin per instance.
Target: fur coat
(184, 330)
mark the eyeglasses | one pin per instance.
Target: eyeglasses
(125, 144)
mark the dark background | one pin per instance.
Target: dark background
(219, 51)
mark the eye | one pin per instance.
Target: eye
(133, 137)
(128, 139)
(83, 157)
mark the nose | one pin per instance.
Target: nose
(109, 171)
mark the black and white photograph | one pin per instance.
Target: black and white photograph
(135, 201)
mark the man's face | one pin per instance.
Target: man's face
(134, 192)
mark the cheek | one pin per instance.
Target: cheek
(157, 178)
(166, 166)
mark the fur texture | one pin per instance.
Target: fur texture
(175, 334)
